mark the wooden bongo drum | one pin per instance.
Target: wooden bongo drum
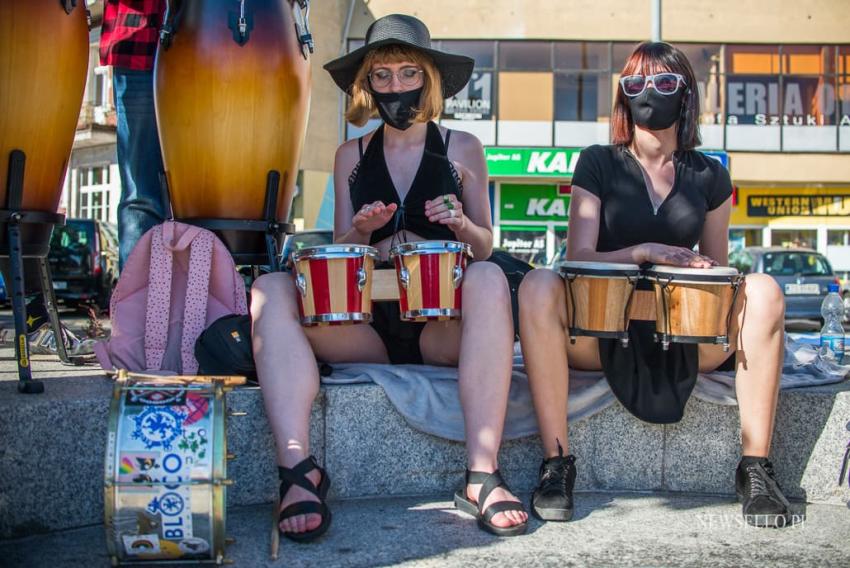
(430, 275)
(694, 305)
(334, 283)
(599, 297)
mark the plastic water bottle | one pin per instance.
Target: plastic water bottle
(832, 333)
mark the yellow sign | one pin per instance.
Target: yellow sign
(791, 206)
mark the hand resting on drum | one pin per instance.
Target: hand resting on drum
(657, 253)
(373, 216)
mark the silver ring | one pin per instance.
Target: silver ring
(452, 213)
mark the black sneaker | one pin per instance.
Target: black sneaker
(553, 498)
(758, 490)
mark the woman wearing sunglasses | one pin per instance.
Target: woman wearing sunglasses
(407, 180)
(651, 198)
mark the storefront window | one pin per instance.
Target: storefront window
(571, 56)
(840, 237)
(476, 100)
(806, 238)
(582, 97)
(525, 55)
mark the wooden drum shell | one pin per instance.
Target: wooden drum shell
(430, 279)
(329, 291)
(695, 310)
(44, 56)
(599, 303)
(228, 114)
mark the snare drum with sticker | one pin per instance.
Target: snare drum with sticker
(166, 470)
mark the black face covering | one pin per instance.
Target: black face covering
(397, 109)
(655, 111)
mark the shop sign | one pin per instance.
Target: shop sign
(531, 162)
(798, 205)
(804, 101)
(474, 101)
(532, 203)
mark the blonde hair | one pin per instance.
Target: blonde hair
(362, 106)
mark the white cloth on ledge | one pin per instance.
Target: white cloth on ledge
(427, 396)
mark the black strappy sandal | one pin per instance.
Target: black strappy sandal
(489, 482)
(298, 476)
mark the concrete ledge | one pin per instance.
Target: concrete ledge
(52, 448)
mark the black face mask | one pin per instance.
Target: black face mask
(655, 111)
(397, 109)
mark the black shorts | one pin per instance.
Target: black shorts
(401, 338)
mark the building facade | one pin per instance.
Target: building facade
(773, 78)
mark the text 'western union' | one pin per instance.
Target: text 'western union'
(798, 205)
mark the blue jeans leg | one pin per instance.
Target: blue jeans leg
(139, 158)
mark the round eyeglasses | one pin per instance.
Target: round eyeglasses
(407, 76)
(664, 83)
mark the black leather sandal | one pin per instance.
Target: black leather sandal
(298, 476)
(489, 482)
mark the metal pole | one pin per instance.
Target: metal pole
(656, 20)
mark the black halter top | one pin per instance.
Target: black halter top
(370, 181)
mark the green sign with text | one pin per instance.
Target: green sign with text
(518, 202)
(531, 162)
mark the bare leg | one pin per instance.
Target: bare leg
(289, 376)
(758, 334)
(484, 350)
(546, 350)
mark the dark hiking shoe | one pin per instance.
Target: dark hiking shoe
(757, 489)
(553, 498)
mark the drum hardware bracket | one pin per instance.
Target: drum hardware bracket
(301, 284)
(169, 24)
(736, 287)
(572, 326)
(361, 278)
(27, 235)
(404, 277)
(241, 24)
(302, 27)
(665, 337)
(69, 6)
(624, 340)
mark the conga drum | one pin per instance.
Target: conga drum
(232, 94)
(166, 469)
(694, 305)
(334, 283)
(430, 275)
(43, 65)
(599, 295)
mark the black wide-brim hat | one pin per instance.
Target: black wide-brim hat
(400, 29)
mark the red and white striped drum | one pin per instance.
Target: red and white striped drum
(430, 274)
(334, 283)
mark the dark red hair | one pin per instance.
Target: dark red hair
(657, 57)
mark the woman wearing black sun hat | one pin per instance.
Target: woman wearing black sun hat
(407, 180)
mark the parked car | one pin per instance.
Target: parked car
(804, 276)
(84, 261)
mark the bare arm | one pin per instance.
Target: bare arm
(714, 241)
(583, 233)
(474, 225)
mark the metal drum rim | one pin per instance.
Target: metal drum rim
(337, 317)
(430, 247)
(430, 313)
(724, 275)
(334, 251)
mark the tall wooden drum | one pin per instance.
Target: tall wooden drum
(232, 93)
(43, 65)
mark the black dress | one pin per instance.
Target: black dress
(651, 383)
(370, 182)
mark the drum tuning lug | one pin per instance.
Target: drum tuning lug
(457, 276)
(725, 347)
(361, 278)
(625, 342)
(404, 277)
(237, 413)
(572, 340)
(665, 345)
(301, 284)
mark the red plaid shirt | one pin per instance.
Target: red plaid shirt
(130, 33)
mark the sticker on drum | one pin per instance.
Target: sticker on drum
(599, 295)
(165, 472)
(334, 283)
(694, 305)
(430, 275)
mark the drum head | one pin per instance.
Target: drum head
(334, 251)
(430, 247)
(598, 269)
(682, 274)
